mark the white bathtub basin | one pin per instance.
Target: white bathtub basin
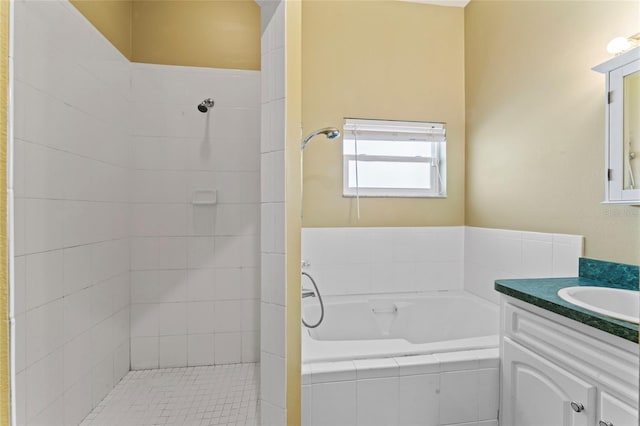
(612, 302)
(392, 325)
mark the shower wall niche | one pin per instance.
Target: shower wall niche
(122, 261)
(195, 217)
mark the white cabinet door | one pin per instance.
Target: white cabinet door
(537, 392)
(614, 412)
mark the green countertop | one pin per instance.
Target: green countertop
(543, 292)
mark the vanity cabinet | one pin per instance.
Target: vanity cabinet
(557, 372)
(622, 154)
(540, 392)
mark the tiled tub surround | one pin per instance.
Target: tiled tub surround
(195, 267)
(369, 265)
(459, 388)
(71, 169)
(348, 261)
(544, 293)
(491, 254)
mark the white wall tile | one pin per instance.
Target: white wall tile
(272, 278)
(459, 397)
(537, 258)
(77, 269)
(20, 341)
(44, 332)
(272, 415)
(306, 397)
(102, 379)
(52, 415)
(21, 398)
(237, 283)
(200, 349)
(43, 222)
(334, 404)
(200, 317)
(250, 320)
(173, 285)
(227, 348)
(72, 163)
(144, 320)
(202, 252)
(160, 220)
(201, 285)
(384, 260)
(238, 187)
(489, 393)
(77, 401)
(370, 411)
(376, 368)
(173, 351)
(419, 400)
(237, 219)
(44, 278)
(272, 214)
(250, 346)
(144, 353)
(77, 359)
(273, 387)
(43, 383)
(492, 254)
(189, 151)
(121, 361)
(227, 316)
(237, 251)
(144, 287)
(325, 372)
(172, 320)
(273, 338)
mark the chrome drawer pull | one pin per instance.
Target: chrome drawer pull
(604, 423)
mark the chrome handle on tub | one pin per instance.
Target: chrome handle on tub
(604, 423)
(577, 406)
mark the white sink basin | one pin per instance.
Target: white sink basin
(611, 302)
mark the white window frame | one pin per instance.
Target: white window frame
(436, 162)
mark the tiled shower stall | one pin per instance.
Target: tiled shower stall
(137, 217)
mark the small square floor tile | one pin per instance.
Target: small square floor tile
(198, 396)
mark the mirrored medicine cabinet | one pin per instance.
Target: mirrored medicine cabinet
(622, 155)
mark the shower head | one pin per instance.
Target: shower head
(329, 132)
(205, 105)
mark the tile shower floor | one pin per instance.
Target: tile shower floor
(191, 396)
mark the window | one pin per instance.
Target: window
(393, 159)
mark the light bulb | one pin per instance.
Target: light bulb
(619, 45)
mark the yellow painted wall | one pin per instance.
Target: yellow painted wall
(384, 60)
(293, 117)
(4, 272)
(202, 33)
(216, 34)
(535, 120)
(112, 18)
